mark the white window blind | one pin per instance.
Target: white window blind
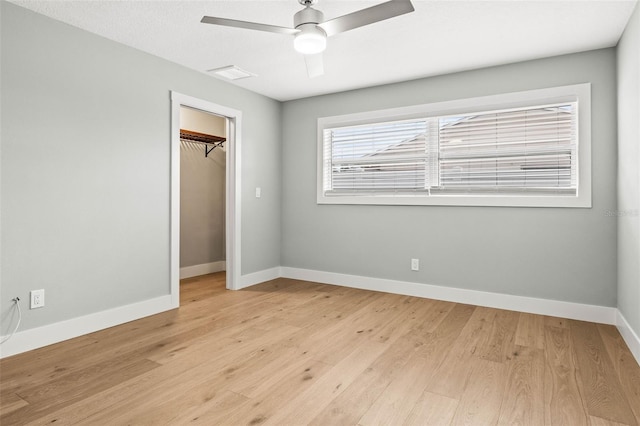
(531, 150)
(517, 151)
(380, 157)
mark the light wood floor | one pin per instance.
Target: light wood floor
(290, 352)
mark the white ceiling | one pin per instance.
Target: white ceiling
(439, 37)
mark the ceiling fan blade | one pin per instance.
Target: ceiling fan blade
(248, 25)
(367, 16)
(315, 66)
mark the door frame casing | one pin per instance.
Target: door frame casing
(232, 186)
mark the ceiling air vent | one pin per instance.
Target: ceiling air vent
(231, 73)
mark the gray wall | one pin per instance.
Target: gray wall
(85, 168)
(629, 172)
(202, 205)
(554, 253)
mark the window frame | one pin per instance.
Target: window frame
(571, 93)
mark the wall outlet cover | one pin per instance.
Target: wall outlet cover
(37, 299)
(415, 264)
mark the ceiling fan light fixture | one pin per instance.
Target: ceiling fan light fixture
(310, 40)
(310, 29)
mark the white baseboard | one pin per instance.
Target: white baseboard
(57, 332)
(205, 268)
(259, 277)
(629, 336)
(578, 311)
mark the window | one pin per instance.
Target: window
(520, 149)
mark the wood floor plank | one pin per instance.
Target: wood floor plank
(10, 401)
(626, 367)
(563, 400)
(597, 421)
(362, 324)
(201, 403)
(483, 394)
(64, 397)
(295, 352)
(604, 395)
(429, 319)
(556, 322)
(214, 411)
(209, 398)
(499, 343)
(395, 403)
(270, 400)
(412, 313)
(447, 332)
(81, 381)
(307, 405)
(348, 407)
(432, 409)
(530, 331)
(281, 363)
(450, 376)
(335, 333)
(523, 402)
(334, 304)
(200, 287)
(240, 335)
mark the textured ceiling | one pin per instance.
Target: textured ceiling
(439, 37)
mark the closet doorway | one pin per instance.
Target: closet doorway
(205, 202)
(203, 140)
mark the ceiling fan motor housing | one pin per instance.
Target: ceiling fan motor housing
(308, 15)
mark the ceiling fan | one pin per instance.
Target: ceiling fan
(311, 30)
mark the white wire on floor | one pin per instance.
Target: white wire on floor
(17, 305)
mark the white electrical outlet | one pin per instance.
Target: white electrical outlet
(37, 298)
(258, 192)
(415, 264)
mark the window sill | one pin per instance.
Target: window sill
(457, 200)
